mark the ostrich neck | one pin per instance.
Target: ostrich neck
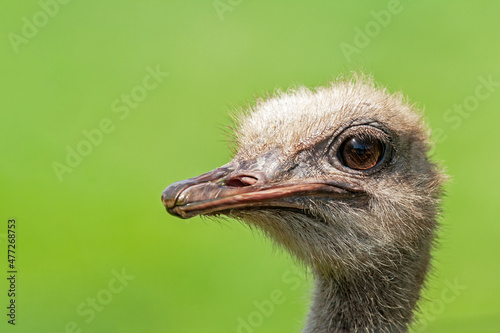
(377, 300)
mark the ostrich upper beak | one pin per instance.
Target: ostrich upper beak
(232, 187)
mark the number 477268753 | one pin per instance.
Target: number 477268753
(12, 243)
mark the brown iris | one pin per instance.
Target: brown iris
(361, 152)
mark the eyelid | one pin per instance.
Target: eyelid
(368, 130)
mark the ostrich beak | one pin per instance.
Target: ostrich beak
(229, 187)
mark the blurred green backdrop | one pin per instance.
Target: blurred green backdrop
(96, 252)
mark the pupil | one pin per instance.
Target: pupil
(358, 148)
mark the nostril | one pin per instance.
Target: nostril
(241, 181)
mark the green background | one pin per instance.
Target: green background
(105, 217)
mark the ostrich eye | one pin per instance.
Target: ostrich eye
(361, 152)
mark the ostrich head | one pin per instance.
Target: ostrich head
(339, 176)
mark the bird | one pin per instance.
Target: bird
(341, 177)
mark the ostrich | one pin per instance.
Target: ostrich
(338, 176)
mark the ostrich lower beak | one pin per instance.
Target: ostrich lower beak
(225, 188)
